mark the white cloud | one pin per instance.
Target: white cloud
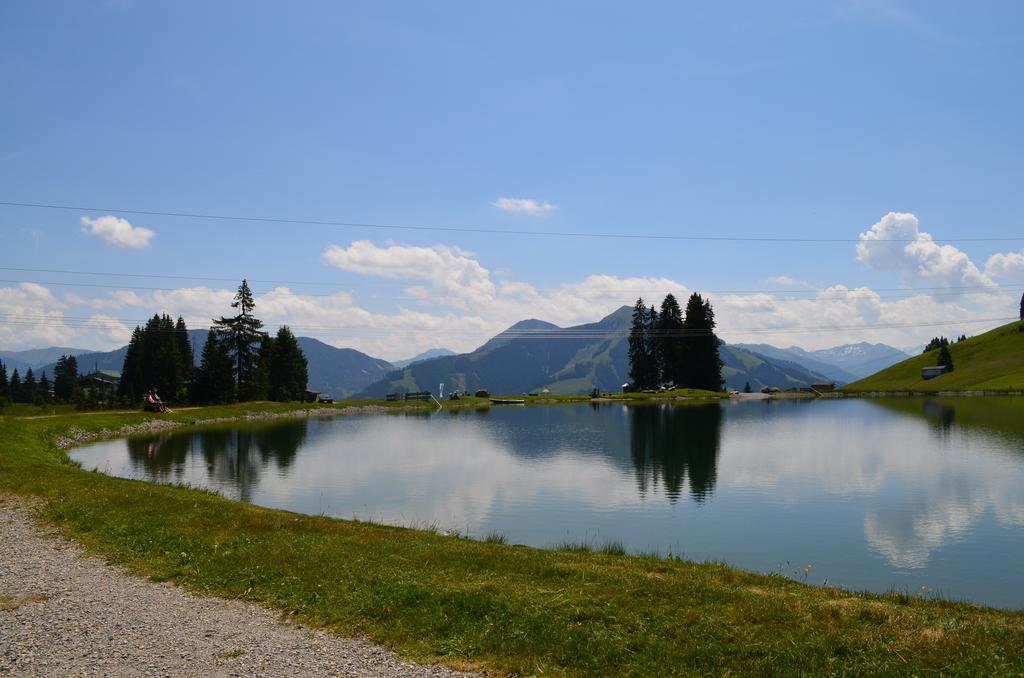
(533, 208)
(449, 269)
(1007, 266)
(30, 317)
(118, 231)
(896, 244)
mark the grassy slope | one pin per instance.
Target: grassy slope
(993, 361)
(503, 608)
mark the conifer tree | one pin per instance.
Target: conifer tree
(5, 386)
(242, 334)
(668, 341)
(639, 346)
(14, 390)
(702, 365)
(946, 358)
(65, 379)
(289, 369)
(44, 388)
(213, 380)
(185, 359)
(746, 387)
(28, 388)
(131, 387)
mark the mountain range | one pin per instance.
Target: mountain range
(534, 355)
(843, 364)
(529, 356)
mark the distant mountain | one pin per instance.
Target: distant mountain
(803, 359)
(861, 359)
(533, 355)
(843, 364)
(339, 372)
(36, 358)
(426, 355)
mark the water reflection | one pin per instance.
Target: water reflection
(876, 494)
(669, 445)
(234, 457)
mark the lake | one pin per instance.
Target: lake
(923, 496)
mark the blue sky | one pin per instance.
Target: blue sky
(802, 120)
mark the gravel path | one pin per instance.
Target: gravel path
(62, 613)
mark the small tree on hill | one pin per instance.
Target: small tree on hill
(936, 342)
(946, 358)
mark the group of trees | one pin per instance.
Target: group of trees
(63, 389)
(159, 356)
(945, 358)
(668, 346)
(239, 361)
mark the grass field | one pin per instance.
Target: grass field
(486, 604)
(993, 361)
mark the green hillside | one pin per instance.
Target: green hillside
(993, 361)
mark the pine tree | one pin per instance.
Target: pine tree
(44, 388)
(213, 381)
(184, 356)
(242, 333)
(639, 346)
(746, 387)
(288, 367)
(668, 341)
(14, 390)
(702, 365)
(28, 388)
(5, 386)
(65, 379)
(131, 388)
(946, 358)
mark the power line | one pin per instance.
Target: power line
(488, 231)
(631, 290)
(553, 333)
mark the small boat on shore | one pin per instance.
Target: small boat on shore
(507, 401)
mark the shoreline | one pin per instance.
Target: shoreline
(512, 609)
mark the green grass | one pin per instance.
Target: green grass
(993, 361)
(485, 604)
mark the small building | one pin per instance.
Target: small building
(932, 372)
(310, 396)
(100, 385)
(824, 386)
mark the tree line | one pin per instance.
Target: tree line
(667, 346)
(239, 362)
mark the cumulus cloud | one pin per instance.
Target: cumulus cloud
(896, 244)
(30, 317)
(1007, 266)
(448, 269)
(529, 206)
(118, 231)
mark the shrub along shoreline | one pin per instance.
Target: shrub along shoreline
(483, 604)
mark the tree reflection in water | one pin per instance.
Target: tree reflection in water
(670, 444)
(233, 455)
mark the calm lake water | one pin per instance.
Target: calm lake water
(921, 496)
